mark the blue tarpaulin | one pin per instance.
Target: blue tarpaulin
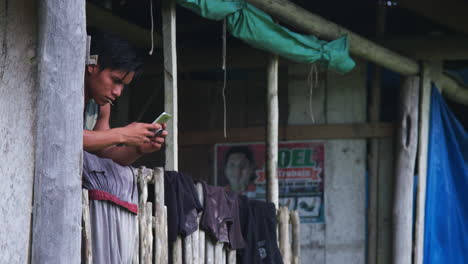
(446, 221)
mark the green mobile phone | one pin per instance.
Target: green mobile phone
(163, 118)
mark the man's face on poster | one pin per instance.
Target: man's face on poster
(238, 171)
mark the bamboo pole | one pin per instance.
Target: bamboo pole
(170, 80)
(304, 20)
(296, 237)
(425, 106)
(405, 163)
(271, 161)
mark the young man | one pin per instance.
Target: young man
(117, 65)
(111, 183)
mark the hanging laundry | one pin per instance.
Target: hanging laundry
(182, 203)
(258, 224)
(221, 216)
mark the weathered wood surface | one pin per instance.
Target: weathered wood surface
(60, 55)
(201, 233)
(296, 237)
(168, 10)
(424, 112)
(143, 178)
(407, 142)
(160, 239)
(283, 234)
(87, 249)
(231, 258)
(271, 144)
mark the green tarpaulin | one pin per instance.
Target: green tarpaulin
(258, 29)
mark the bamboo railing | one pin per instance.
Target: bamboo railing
(196, 248)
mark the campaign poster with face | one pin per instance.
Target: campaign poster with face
(241, 167)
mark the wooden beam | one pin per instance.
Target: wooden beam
(438, 47)
(170, 81)
(451, 13)
(105, 20)
(406, 148)
(302, 19)
(271, 142)
(61, 52)
(299, 132)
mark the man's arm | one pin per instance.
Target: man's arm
(103, 140)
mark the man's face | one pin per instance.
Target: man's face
(106, 85)
(238, 170)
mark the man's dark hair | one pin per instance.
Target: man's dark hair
(114, 52)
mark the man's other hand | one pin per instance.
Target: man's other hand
(136, 134)
(156, 142)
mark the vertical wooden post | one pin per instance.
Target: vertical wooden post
(231, 258)
(296, 237)
(407, 142)
(144, 175)
(61, 52)
(201, 233)
(160, 238)
(271, 162)
(87, 249)
(283, 231)
(425, 109)
(170, 80)
(373, 161)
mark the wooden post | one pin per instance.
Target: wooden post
(285, 246)
(61, 52)
(271, 162)
(170, 80)
(87, 245)
(231, 259)
(296, 237)
(425, 107)
(160, 243)
(407, 142)
(209, 251)
(201, 233)
(149, 233)
(374, 159)
(144, 176)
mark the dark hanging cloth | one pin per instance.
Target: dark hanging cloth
(182, 204)
(221, 216)
(258, 224)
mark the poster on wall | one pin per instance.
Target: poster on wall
(241, 167)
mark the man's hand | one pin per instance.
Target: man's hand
(155, 143)
(137, 134)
